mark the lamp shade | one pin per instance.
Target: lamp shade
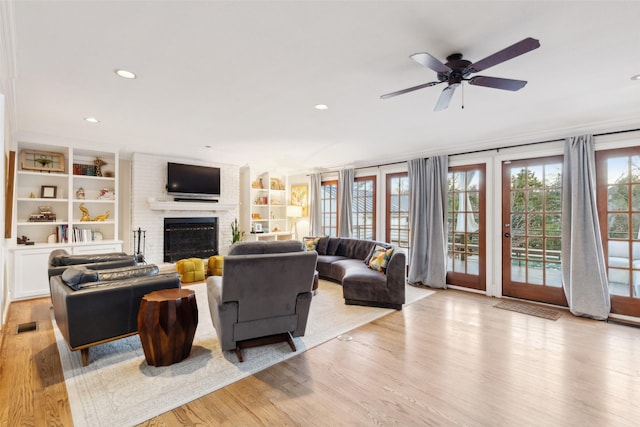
(294, 211)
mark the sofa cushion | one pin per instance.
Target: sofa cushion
(76, 277)
(323, 244)
(266, 247)
(332, 245)
(324, 263)
(123, 273)
(63, 260)
(380, 258)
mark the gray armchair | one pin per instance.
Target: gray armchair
(264, 294)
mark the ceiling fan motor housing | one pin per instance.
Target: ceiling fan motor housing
(459, 69)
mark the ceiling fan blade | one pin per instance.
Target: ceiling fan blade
(498, 83)
(430, 62)
(445, 97)
(411, 89)
(517, 49)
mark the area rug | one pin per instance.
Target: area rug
(530, 309)
(118, 388)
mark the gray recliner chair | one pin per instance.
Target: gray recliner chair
(264, 294)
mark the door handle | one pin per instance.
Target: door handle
(507, 235)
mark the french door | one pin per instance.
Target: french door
(466, 226)
(531, 223)
(618, 190)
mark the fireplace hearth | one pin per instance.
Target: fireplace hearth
(190, 238)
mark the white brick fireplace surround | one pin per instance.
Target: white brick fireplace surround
(148, 180)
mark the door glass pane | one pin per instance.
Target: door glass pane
(618, 197)
(618, 226)
(553, 225)
(553, 175)
(535, 226)
(617, 168)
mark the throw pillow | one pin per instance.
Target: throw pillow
(332, 246)
(311, 243)
(323, 244)
(380, 258)
(75, 276)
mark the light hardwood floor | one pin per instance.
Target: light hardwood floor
(448, 360)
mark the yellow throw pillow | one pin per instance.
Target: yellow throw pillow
(380, 258)
(311, 243)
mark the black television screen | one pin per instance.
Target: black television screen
(193, 180)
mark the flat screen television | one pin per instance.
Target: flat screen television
(192, 180)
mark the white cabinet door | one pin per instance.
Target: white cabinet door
(95, 248)
(30, 273)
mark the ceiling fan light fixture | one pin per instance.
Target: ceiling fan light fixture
(91, 120)
(125, 74)
(321, 107)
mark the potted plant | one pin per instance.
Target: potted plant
(236, 236)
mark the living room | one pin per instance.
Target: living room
(292, 89)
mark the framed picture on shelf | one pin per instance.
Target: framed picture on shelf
(42, 161)
(275, 184)
(48, 191)
(300, 197)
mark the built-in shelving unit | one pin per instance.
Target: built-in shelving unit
(61, 201)
(263, 207)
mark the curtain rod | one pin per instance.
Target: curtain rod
(483, 150)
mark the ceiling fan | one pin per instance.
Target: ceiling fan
(456, 70)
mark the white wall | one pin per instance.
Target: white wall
(149, 179)
(4, 289)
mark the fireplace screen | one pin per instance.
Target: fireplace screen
(190, 238)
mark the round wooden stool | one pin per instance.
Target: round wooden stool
(167, 322)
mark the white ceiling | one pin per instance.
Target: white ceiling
(243, 77)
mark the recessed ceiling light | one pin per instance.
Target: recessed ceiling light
(636, 77)
(125, 74)
(207, 146)
(321, 107)
(91, 120)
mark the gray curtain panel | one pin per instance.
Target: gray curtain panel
(345, 200)
(315, 212)
(584, 275)
(427, 221)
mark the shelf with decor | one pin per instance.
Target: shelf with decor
(263, 202)
(49, 187)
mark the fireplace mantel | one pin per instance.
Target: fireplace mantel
(166, 205)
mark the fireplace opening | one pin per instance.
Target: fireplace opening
(190, 238)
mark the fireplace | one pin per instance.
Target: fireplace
(190, 238)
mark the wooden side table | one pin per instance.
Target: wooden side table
(167, 322)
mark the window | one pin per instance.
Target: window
(397, 215)
(364, 208)
(329, 208)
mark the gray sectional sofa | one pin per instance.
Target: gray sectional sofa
(343, 260)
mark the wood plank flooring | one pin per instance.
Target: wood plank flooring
(448, 360)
